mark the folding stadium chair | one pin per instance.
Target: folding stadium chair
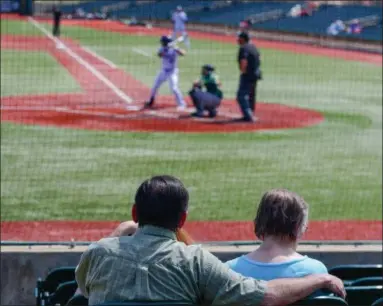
(322, 301)
(364, 295)
(78, 300)
(367, 281)
(349, 273)
(46, 287)
(64, 292)
(378, 302)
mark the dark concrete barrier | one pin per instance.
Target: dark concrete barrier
(21, 266)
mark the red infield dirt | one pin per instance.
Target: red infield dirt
(200, 231)
(98, 107)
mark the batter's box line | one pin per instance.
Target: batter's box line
(90, 113)
(84, 110)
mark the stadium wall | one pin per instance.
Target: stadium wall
(123, 8)
(23, 7)
(307, 39)
(22, 265)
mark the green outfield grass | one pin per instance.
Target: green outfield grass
(33, 72)
(51, 173)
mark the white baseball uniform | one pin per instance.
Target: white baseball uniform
(179, 19)
(169, 71)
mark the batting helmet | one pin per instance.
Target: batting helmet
(165, 40)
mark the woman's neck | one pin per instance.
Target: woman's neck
(275, 250)
(274, 243)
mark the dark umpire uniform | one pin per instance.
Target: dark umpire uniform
(56, 21)
(249, 60)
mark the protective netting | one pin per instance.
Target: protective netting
(76, 143)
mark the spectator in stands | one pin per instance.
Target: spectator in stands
(295, 11)
(281, 219)
(80, 13)
(354, 27)
(151, 265)
(336, 27)
(245, 25)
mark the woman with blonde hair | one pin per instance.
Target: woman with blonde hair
(281, 220)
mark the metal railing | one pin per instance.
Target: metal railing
(73, 244)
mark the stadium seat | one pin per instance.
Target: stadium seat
(63, 293)
(48, 286)
(349, 273)
(78, 300)
(378, 302)
(322, 301)
(367, 281)
(365, 295)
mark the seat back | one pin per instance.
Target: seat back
(78, 300)
(378, 302)
(58, 276)
(322, 301)
(63, 293)
(363, 295)
(353, 272)
(46, 287)
(367, 281)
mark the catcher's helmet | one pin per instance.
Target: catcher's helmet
(209, 68)
(165, 40)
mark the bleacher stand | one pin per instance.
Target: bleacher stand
(349, 273)
(363, 286)
(264, 15)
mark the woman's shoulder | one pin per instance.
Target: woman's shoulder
(234, 262)
(310, 266)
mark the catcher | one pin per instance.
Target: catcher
(210, 99)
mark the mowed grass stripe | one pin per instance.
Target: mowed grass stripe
(34, 72)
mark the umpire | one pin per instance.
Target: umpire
(56, 21)
(249, 66)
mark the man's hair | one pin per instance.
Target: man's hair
(161, 201)
(282, 214)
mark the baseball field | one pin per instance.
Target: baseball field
(75, 146)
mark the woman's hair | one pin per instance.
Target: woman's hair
(281, 213)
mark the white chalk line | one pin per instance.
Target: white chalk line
(82, 62)
(90, 113)
(155, 113)
(142, 52)
(101, 58)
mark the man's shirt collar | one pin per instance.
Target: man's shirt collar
(156, 231)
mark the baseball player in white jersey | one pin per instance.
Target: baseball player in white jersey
(179, 19)
(169, 71)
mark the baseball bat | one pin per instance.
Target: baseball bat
(176, 41)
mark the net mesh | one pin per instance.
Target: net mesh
(75, 142)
